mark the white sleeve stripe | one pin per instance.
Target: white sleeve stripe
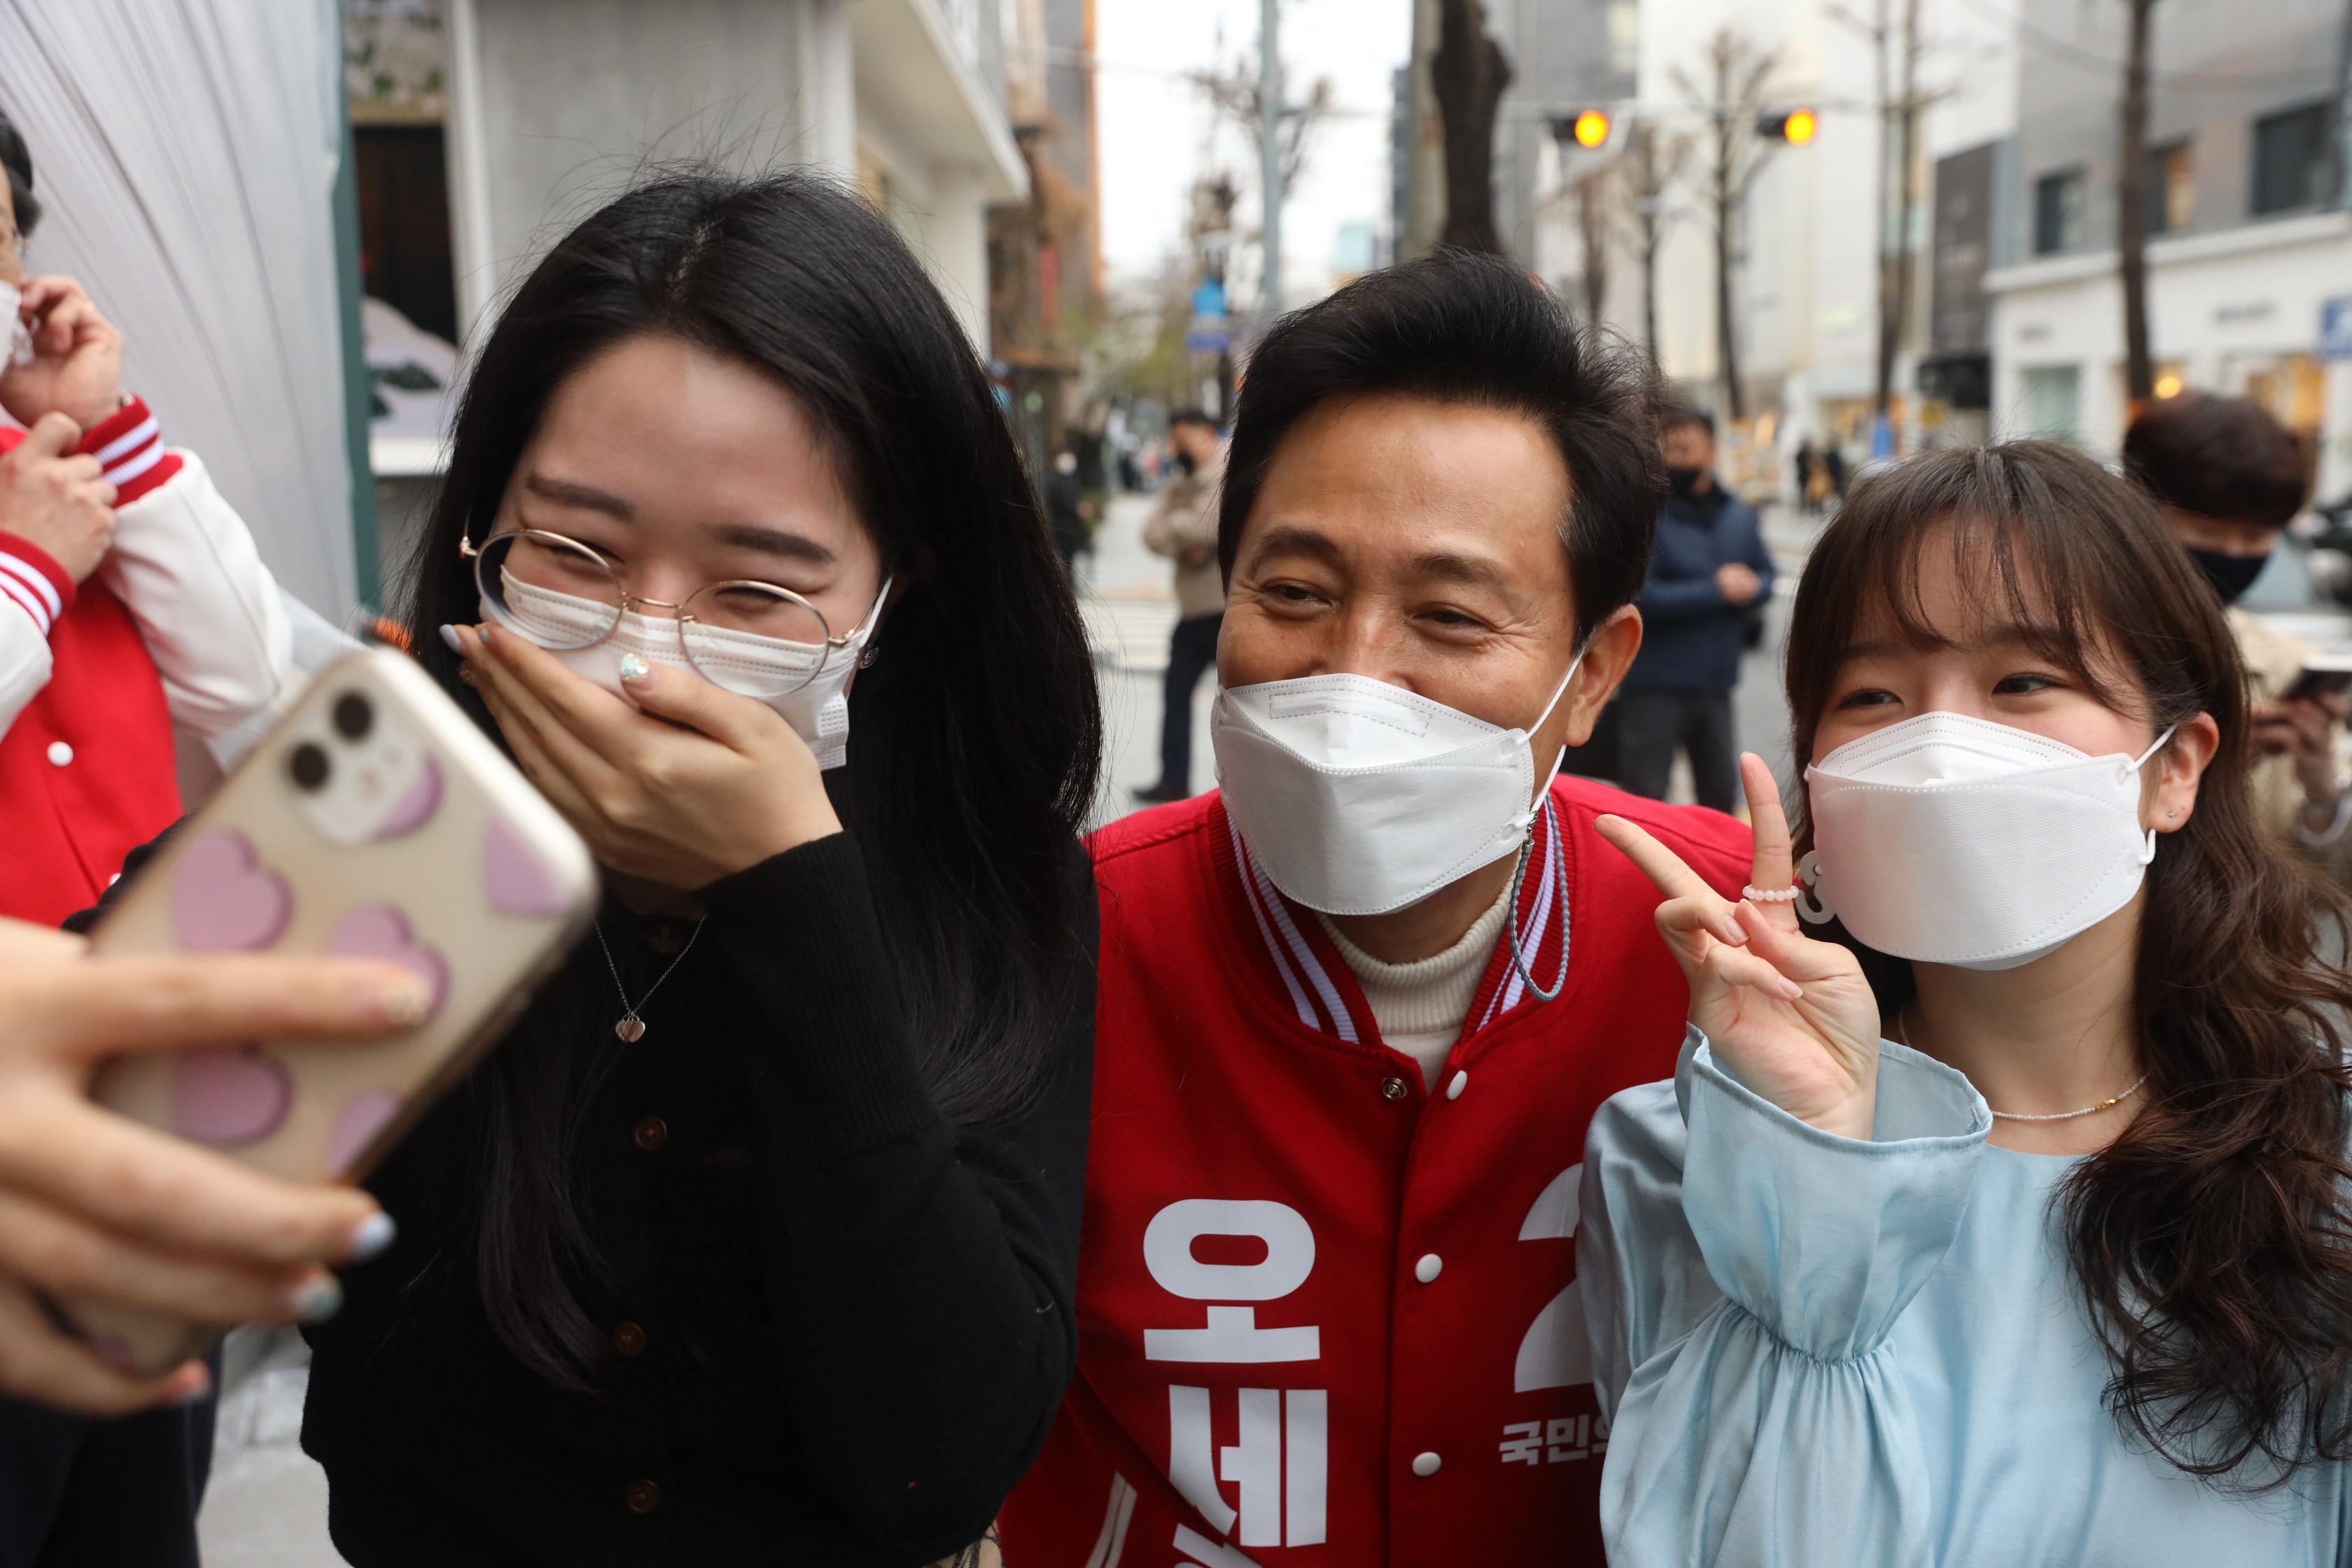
(129, 441)
(123, 475)
(35, 579)
(9, 587)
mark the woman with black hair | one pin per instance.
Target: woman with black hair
(755, 1240)
(2007, 1221)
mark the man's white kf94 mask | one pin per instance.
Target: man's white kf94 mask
(1360, 797)
(1948, 839)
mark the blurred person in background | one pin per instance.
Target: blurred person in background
(1068, 511)
(1183, 526)
(2228, 478)
(1709, 576)
(131, 596)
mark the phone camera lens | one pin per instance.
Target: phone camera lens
(354, 715)
(307, 763)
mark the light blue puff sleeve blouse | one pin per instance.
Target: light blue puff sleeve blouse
(1817, 1351)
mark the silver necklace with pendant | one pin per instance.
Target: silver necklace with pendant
(630, 1025)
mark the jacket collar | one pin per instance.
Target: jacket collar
(1295, 960)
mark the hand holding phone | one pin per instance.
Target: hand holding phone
(376, 821)
(92, 1204)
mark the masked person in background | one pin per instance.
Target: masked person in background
(2014, 1226)
(756, 1238)
(132, 597)
(1356, 1006)
(2228, 478)
(1709, 576)
(1183, 527)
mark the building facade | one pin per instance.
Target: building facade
(2250, 255)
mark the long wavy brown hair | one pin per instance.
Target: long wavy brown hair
(2213, 1240)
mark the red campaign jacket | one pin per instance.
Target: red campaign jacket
(1326, 1318)
(88, 770)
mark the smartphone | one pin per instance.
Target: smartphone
(2320, 674)
(375, 820)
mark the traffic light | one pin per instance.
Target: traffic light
(1588, 128)
(1794, 126)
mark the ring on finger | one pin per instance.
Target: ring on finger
(1755, 894)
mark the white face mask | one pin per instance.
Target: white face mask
(20, 336)
(1948, 839)
(1360, 797)
(816, 708)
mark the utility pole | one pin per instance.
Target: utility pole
(1269, 151)
(2131, 207)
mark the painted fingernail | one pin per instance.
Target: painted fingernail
(316, 1300)
(449, 636)
(634, 669)
(486, 632)
(372, 1237)
(1792, 990)
(405, 1002)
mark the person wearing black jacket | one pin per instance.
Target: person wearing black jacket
(755, 1240)
(1710, 574)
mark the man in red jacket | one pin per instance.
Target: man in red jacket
(1355, 1010)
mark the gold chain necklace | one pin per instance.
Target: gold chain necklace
(1902, 1036)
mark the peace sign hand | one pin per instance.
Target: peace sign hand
(1792, 1018)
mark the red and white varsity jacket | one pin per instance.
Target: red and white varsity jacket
(1325, 1317)
(181, 625)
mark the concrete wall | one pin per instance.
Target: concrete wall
(576, 97)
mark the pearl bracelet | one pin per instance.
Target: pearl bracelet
(1758, 895)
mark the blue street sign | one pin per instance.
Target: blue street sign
(2335, 329)
(1209, 298)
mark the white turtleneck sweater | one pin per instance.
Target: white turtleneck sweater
(1420, 1005)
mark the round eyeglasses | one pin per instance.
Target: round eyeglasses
(565, 596)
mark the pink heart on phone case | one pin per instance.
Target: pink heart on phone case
(518, 883)
(229, 1095)
(380, 931)
(224, 899)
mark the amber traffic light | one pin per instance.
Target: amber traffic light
(1591, 128)
(1795, 126)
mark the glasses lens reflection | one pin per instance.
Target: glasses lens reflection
(557, 592)
(754, 639)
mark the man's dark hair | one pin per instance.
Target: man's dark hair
(2218, 456)
(1463, 327)
(1191, 417)
(1684, 414)
(17, 159)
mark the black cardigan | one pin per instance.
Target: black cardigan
(841, 1325)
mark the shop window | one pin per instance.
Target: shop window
(2292, 167)
(2171, 189)
(2058, 213)
(2051, 402)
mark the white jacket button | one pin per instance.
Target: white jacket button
(1453, 1090)
(1427, 1268)
(1425, 1464)
(60, 753)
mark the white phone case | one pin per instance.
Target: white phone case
(375, 820)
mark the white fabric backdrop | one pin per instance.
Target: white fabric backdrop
(184, 155)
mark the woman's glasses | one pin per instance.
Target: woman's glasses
(565, 596)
